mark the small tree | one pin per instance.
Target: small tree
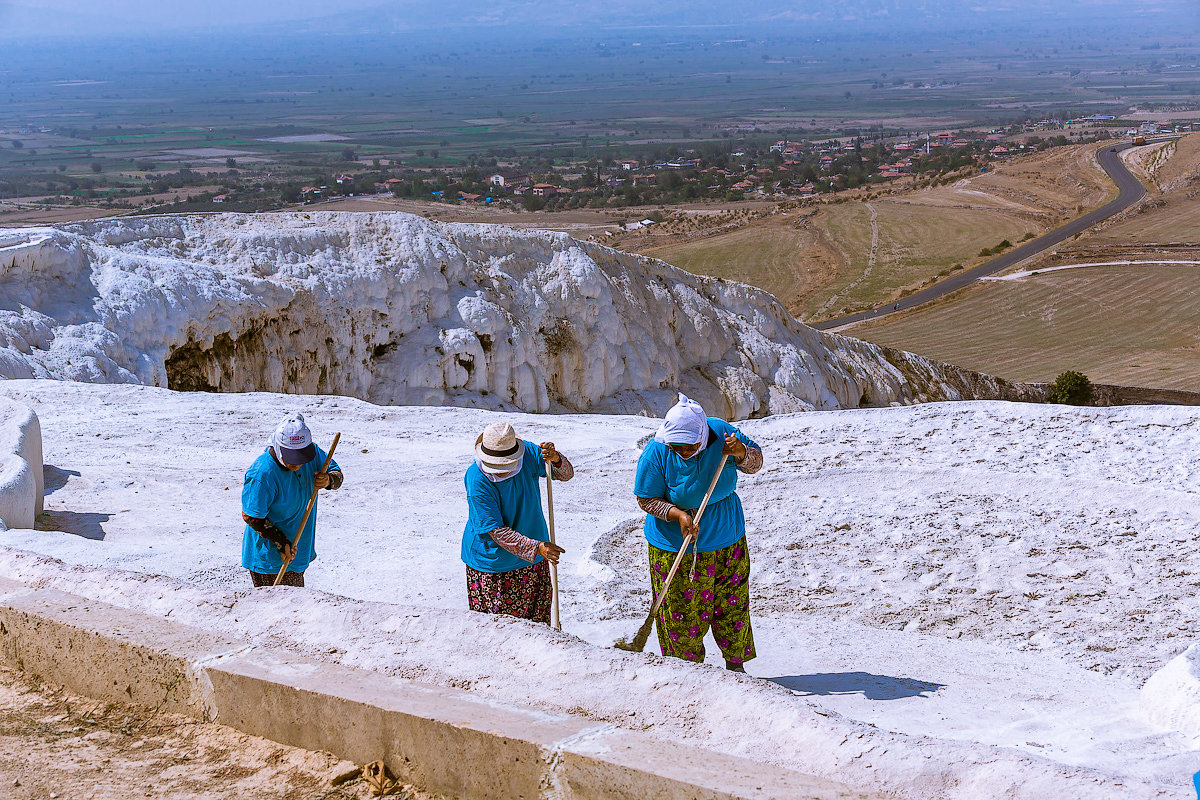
(1071, 388)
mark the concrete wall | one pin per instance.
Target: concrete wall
(22, 489)
(443, 740)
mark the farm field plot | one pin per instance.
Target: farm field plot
(1133, 325)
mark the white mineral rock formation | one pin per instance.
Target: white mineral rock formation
(1171, 697)
(22, 487)
(398, 310)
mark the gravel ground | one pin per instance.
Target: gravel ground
(54, 744)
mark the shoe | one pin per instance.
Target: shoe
(732, 667)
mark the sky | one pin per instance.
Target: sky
(32, 17)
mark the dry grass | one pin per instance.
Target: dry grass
(786, 255)
(1134, 326)
(912, 243)
(871, 249)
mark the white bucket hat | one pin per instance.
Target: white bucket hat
(498, 449)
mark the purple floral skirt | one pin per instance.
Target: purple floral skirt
(525, 592)
(716, 595)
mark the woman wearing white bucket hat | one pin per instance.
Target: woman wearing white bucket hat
(506, 544)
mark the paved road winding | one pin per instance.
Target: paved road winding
(1131, 191)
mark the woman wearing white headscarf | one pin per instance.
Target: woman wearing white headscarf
(673, 474)
(506, 544)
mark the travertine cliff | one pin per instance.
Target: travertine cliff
(395, 309)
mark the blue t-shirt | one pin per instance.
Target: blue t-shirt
(270, 491)
(662, 473)
(513, 503)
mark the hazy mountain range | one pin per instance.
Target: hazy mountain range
(78, 17)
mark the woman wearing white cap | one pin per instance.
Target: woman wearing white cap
(673, 474)
(274, 495)
(506, 544)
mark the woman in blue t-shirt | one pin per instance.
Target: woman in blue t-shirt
(673, 474)
(506, 544)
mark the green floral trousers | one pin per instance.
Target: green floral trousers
(716, 595)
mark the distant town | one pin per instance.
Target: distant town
(725, 171)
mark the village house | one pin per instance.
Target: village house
(507, 179)
(221, 198)
(629, 164)
(544, 190)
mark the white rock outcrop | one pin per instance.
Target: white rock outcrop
(21, 480)
(398, 310)
(1170, 699)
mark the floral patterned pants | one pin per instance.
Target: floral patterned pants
(716, 595)
(525, 592)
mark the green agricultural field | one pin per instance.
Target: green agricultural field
(1135, 326)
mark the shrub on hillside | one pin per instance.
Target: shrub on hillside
(1071, 388)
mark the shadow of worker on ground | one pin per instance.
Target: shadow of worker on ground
(872, 687)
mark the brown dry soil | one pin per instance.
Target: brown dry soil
(54, 745)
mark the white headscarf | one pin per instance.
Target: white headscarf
(684, 423)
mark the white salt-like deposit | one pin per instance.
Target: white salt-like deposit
(398, 310)
(956, 600)
(951, 601)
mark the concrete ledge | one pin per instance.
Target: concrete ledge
(614, 765)
(22, 486)
(108, 653)
(444, 740)
(441, 739)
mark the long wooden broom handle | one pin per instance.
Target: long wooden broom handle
(311, 502)
(712, 485)
(555, 619)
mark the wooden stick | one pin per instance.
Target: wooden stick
(639, 639)
(555, 619)
(312, 501)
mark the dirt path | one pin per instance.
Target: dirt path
(866, 272)
(57, 745)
